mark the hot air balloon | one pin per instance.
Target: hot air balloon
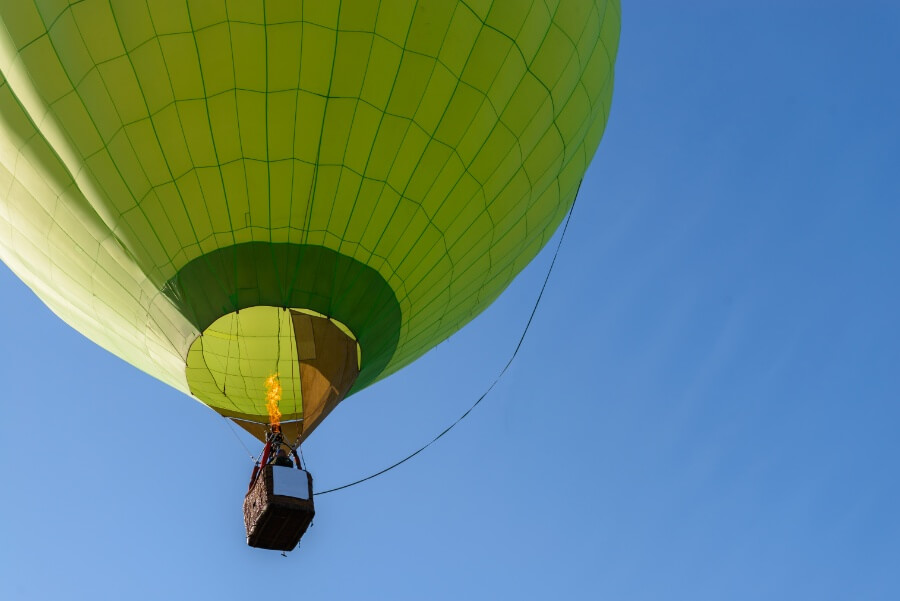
(219, 191)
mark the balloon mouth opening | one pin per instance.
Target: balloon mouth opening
(306, 278)
(268, 366)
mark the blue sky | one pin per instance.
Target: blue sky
(706, 406)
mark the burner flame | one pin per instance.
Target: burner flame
(273, 396)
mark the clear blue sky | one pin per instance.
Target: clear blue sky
(707, 406)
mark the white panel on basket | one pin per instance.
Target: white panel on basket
(289, 482)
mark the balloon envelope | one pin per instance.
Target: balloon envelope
(180, 181)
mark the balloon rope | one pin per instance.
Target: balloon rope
(230, 425)
(493, 384)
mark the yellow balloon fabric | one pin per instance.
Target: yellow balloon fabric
(166, 164)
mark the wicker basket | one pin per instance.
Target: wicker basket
(277, 521)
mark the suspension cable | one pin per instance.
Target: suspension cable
(493, 384)
(229, 423)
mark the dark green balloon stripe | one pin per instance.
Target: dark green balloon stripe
(294, 275)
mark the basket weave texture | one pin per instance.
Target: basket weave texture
(275, 521)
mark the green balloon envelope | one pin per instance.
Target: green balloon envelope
(165, 166)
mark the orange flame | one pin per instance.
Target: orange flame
(273, 395)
